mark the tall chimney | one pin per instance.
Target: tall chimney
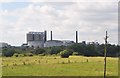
(76, 36)
(51, 35)
(45, 36)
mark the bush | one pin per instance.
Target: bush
(16, 55)
(30, 54)
(39, 51)
(75, 53)
(64, 54)
(58, 54)
(53, 50)
(8, 52)
(21, 55)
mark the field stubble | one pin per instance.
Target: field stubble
(56, 66)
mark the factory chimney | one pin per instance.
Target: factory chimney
(45, 39)
(51, 35)
(76, 36)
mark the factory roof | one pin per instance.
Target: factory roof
(36, 33)
(53, 41)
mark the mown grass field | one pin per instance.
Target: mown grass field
(56, 66)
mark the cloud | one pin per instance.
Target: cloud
(36, 1)
(91, 19)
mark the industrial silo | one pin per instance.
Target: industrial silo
(36, 39)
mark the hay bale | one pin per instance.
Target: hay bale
(24, 63)
(39, 61)
(68, 61)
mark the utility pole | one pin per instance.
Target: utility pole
(105, 55)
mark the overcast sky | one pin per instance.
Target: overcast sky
(90, 19)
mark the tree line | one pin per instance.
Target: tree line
(75, 49)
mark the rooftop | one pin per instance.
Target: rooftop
(36, 33)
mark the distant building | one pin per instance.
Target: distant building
(39, 39)
(84, 42)
(3, 44)
(24, 45)
(36, 39)
(67, 42)
(52, 43)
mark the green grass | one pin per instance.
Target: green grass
(56, 66)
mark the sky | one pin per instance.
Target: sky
(90, 19)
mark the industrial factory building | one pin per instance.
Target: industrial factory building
(39, 39)
(36, 39)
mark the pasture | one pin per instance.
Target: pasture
(56, 66)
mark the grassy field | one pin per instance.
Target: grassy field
(56, 66)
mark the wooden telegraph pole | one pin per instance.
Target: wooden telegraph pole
(105, 55)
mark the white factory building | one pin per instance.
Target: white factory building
(51, 43)
(36, 39)
(39, 39)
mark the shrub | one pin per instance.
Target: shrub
(16, 55)
(39, 51)
(75, 53)
(58, 54)
(53, 50)
(30, 54)
(64, 54)
(53, 54)
(8, 53)
(21, 55)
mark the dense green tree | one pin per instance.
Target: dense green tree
(112, 50)
(91, 50)
(8, 52)
(38, 51)
(54, 50)
(82, 49)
